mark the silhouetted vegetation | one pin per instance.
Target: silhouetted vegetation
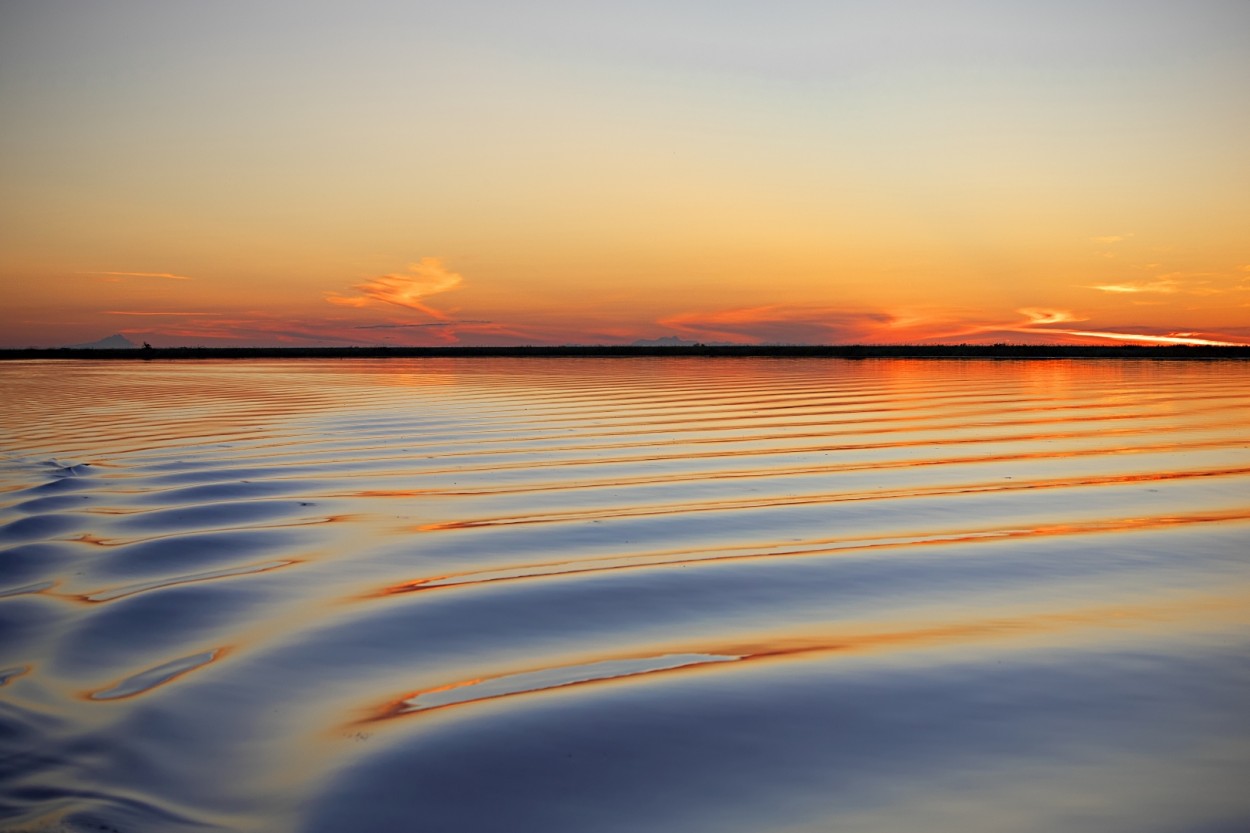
(832, 351)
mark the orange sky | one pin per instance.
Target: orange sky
(555, 172)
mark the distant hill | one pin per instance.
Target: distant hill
(117, 341)
(674, 341)
(662, 341)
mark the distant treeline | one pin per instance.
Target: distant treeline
(833, 351)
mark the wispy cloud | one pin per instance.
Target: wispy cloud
(1037, 316)
(1162, 285)
(1044, 325)
(777, 324)
(1112, 238)
(1040, 322)
(166, 275)
(423, 325)
(802, 325)
(1173, 283)
(953, 326)
(138, 312)
(1172, 338)
(425, 278)
(348, 300)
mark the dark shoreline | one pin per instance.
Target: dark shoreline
(832, 351)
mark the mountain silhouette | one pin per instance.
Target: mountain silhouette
(674, 341)
(663, 341)
(117, 341)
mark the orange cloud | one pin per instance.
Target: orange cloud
(348, 300)
(773, 324)
(1173, 338)
(1037, 321)
(166, 275)
(947, 326)
(1163, 285)
(135, 312)
(1187, 283)
(778, 324)
(802, 325)
(423, 279)
(1035, 316)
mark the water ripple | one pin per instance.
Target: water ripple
(160, 675)
(662, 594)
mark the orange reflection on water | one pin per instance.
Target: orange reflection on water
(100, 541)
(831, 497)
(817, 547)
(151, 678)
(698, 475)
(690, 659)
(110, 594)
(8, 675)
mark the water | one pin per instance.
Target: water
(623, 595)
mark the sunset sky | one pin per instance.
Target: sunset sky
(491, 172)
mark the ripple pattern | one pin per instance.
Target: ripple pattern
(681, 594)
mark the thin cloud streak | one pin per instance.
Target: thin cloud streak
(777, 324)
(420, 325)
(1184, 283)
(1166, 339)
(166, 275)
(135, 312)
(782, 325)
(1038, 319)
(1164, 286)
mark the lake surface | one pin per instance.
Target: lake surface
(625, 595)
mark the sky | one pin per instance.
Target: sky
(297, 172)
